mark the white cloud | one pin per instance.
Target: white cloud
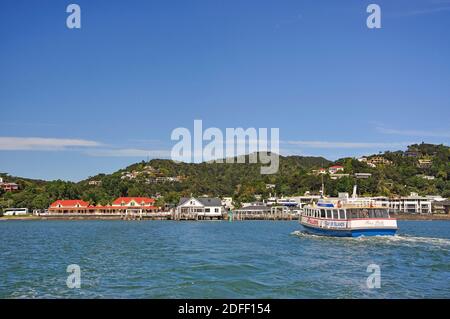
(128, 152)
(327, 144)
(42, 144)
(419, 133)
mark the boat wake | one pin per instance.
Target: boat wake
(401, 239)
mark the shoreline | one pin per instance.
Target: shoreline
(22, 218)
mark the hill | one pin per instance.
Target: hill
(422, 168)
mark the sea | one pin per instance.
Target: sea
(219, 259)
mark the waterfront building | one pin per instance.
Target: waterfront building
(446, 205)
(411, 204)
(200, 207)
(69, 206)
(253, 210)
(227, 202)
(133, 202)
(407, 204)
(291, 201)
(122, 205)
(253, 204)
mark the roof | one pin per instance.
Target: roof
(254, 208)
(127, 200)
(336, 166)
(205, 201)
(69, 203)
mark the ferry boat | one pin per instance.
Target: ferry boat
(347, 219)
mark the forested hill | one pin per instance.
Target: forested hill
(422, 168)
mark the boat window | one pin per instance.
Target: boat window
(322, 213)
(335, 214)
(341, 214)
(349, 214)
(380, 213)
(365, 213)
(352, 213)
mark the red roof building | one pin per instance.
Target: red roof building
(119, 206)
(335, 168)
(134, 201)
(76, 203)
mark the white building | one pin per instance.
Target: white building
(411, 204)
(202, 207)
(293, 201)
(335, 169)
(407, 204)
(227, 202)
(363, 175)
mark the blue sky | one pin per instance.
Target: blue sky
(74, 103)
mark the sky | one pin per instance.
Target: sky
(78, 102)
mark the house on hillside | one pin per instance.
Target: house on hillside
(425, 162)
(363, 175)
(378, 160)
(335, 168)
(320, 171)
(8, 187)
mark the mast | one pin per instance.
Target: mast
(322, 190)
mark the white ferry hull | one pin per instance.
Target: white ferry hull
(350, 228)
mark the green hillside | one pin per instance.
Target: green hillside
(422, 168)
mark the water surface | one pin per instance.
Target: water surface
(215, 259)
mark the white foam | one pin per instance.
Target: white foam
(395, 239)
